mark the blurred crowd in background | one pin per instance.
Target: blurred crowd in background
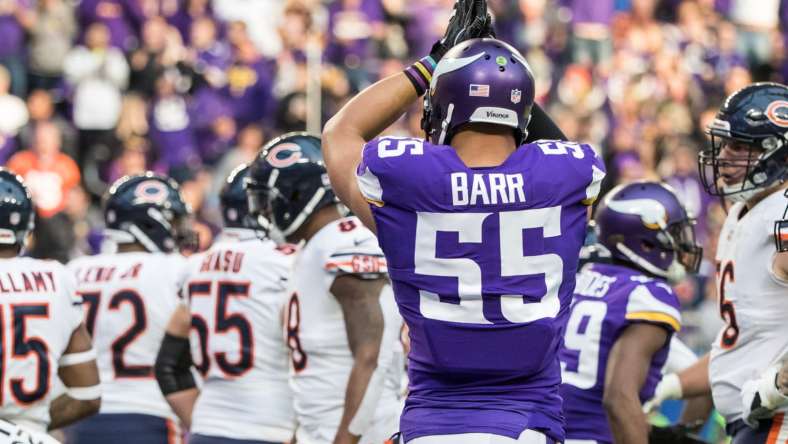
(92, 90)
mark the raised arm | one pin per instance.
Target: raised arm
(360, 302)
(360, 120)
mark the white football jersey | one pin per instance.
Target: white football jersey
(752, 303)
(237, 290)
(315, 333)
(39, 311)
(128, 300)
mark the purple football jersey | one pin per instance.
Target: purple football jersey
(607, 299)
(483, 264)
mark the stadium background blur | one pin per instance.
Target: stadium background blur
(92, 90)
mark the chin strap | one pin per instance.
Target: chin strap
(675, 273)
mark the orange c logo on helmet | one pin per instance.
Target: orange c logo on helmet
(781, 118)
(282, 162)
(151, 191)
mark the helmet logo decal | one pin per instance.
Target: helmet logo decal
(14, 218)
(290, 154)
(501, 61)
(777, 113)
(652, 212)
(516, 96)
(151, 191)
(447, 65)
(479, 90)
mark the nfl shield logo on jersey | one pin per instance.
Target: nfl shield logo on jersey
(517, 95)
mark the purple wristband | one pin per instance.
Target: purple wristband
(420, 74)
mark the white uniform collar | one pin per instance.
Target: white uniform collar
(239, 235)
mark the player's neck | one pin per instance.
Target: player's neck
(484, 145)
(135, 247)
(8, 252)
(315, 223)
(764, 194)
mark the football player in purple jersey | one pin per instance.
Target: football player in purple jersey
(481, 231)
(624, 313)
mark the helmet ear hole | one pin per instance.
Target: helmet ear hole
(647, 246)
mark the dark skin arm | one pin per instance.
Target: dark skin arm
(696, 409)
(65, 410)
(627, 368)
(182, 402)
(360, 302)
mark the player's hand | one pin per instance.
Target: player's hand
(469, 20)
(675, 434)
(761, 397)
(668, 388)
(782, 378)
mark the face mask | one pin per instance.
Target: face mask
(676, 273)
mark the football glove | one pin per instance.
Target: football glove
(668, 388)
(469, 20)
(676, 434)
(760, 397)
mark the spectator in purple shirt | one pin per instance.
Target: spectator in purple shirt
(171, 129)
(210, 56)
(15, 17)
(123, 18)
(591, 34)
(249, 82)
(188, 12)
(353, 28)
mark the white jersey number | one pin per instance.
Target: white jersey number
(468, 226)
(586, 344)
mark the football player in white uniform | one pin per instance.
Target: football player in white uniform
(129, 297)
(233, 300)
(342, 325)
(41, 324)
(747, 163)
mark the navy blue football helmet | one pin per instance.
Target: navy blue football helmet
(234, 203)
(749, 143)
(288, 182)
(148, 208)
(17, 214)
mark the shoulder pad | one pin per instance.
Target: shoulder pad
(357, 253)
(382, 156)
(654, 302)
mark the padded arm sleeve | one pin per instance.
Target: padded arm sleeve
(173, 365)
